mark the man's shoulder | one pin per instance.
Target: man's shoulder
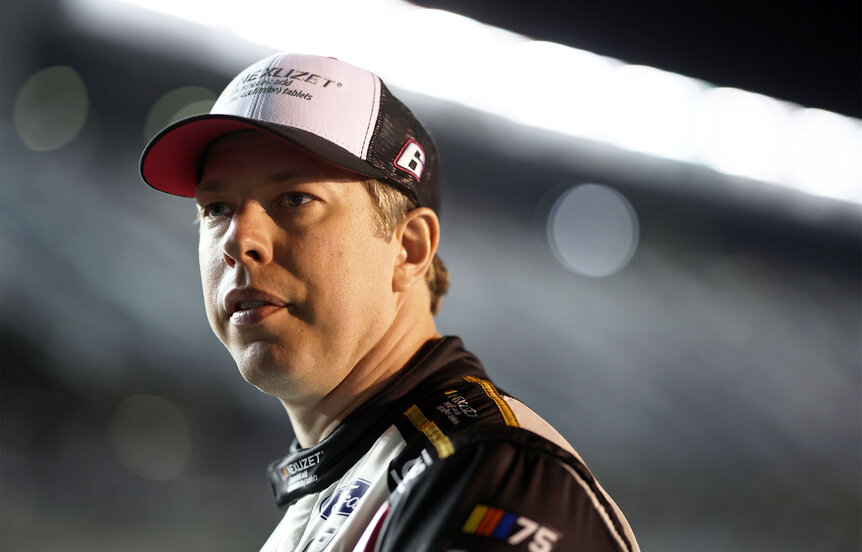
(482, 467)
(495, 485)
(450, 394)
(462, 413)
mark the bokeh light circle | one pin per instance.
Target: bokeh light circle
(151, 437)
(593, 230)
(51, 108)
(178, 104)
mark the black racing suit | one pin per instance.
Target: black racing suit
(442, 460)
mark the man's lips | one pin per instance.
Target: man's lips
(249, 305)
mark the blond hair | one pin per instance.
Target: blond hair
(391, 205)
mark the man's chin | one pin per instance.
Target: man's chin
(276, 376)
(268, 379)
(257, 364)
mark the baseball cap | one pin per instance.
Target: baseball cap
(336, 111)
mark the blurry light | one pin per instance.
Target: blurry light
(593, 230)
(743, 133)
(276, 26)
(550, 86)
(464, 67)
(176, 104)
(194, 108)
(650, 111)
(151, 437)
(825, 154)
(539, 84)
(51, 108)
(192, 10)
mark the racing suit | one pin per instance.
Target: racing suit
(442, 460)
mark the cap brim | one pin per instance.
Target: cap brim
(170, 161)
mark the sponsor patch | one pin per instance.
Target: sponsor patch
(497, 524)
(300, 472)
(455, 406)
(344, 500)
(297, 467)
(411, 159)
(277, 80)
(410, 471)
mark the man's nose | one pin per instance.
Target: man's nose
(248, 240)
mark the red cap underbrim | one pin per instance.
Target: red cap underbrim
(170, 161)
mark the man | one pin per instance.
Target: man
(318, 191)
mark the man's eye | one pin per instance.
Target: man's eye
(217, 210)
(295, 199)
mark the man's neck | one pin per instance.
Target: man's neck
(313, 422)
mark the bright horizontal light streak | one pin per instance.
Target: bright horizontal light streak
(551, 86)
(458, 70)
(653, 112)
(758, 150)
(826, 154)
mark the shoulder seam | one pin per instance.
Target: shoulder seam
(491, 391)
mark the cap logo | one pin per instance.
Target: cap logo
(411, 159)
(290, 74)
(277, 80)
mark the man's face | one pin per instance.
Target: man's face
(297, 284)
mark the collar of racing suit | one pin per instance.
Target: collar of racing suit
(310, 470)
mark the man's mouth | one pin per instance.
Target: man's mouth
(248, 306)
(253, 314)
(245, 305)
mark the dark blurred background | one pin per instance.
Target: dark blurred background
(695, 335)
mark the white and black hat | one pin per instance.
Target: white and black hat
(334, 110)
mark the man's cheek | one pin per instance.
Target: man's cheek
(210, 271)
(210, 263)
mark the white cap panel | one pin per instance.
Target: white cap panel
(331, 99)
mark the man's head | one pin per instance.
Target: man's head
(317, 190)
(299, 280)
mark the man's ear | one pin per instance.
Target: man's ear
(418, 234)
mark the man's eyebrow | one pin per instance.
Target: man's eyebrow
(283, 177)
(211, 186)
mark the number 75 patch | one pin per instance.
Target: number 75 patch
(486, 521)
